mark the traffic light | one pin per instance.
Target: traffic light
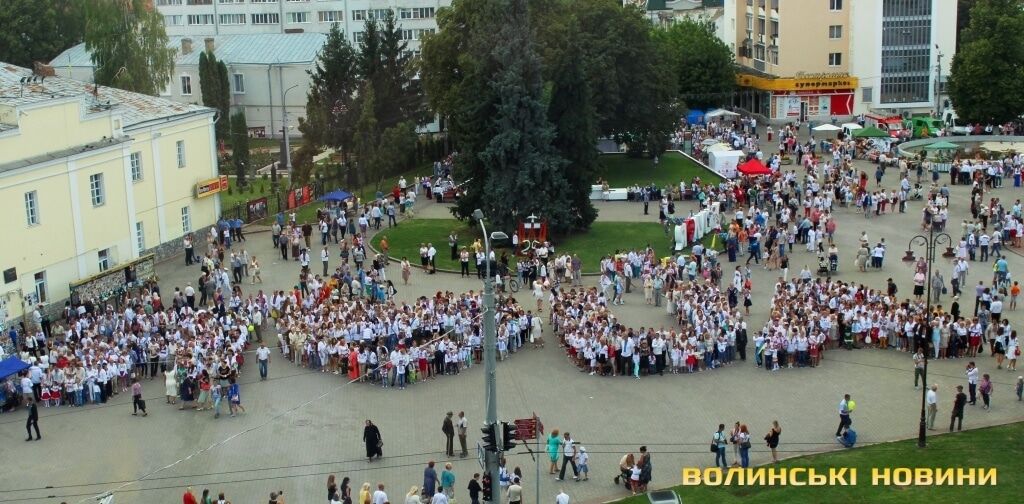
(490, 438)
(508, 436)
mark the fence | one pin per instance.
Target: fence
(281, 201)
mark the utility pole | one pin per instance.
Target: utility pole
(938, 82)
(490, 364)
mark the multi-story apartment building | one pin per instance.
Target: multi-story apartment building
(810, 59)
(91, 180)
(199, 18)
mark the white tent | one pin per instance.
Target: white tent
(827, 127)
(718, 147)
(724, 162)
(719, 113)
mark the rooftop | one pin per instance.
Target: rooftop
(134, 108)
(63, 153)
(247, 49)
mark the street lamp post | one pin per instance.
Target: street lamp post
(929, 243)
(284, 130)
(490, 346)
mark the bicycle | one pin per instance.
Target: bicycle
(513, 284)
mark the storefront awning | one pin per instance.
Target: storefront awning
(799, 83)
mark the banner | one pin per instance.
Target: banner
(256, 209)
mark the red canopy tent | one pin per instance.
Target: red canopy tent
(754, 167)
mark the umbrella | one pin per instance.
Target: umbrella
(941, 146)
(338, 195)
(870, 132)
(852, 126)
(753, 167)
(826, 127)
(718, 147)
(709, 141)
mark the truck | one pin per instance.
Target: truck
(923, 126)
(892, 124)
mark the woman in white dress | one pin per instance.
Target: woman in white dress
(171, 384)
(536, 332)
(538, 293)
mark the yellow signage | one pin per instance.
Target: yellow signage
(802, 82)
(212, 186)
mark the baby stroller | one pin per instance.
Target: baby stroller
(823, 267)
(916, 193)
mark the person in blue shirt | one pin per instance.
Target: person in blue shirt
(13, 334)
(849, 437)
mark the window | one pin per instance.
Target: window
(263, 1)
(761, 25)
(199, 2)
(40, 285)
(175, 20)
(238, 81)
(200, 19)
(759, 52)
(331, 16)
(775, 28)
(866, 94)
(104, 259)
(835, 5)
(835, 59)
(416, 34)
(232, 19)
(416, 13)
(96, 189)
(296, 1)
(266, 18)
(168, 2)
(32, 208)
(298, 17)
(358, 37)
(135, 160)
(186, 220)
(140, 236)
(363, 15)
(835, 32)
(180, 148)
(186, 85)
(750, 23)
(230, 1)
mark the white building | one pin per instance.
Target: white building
(200, 18)
(264, 71)
(896, 48)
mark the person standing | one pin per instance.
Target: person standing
(562, 497)
(985, 387)
(33, 421)
(429, 479)
(743, 440)
(263, 359)
(448, 428)
(448, 481)
(720, 440)
(958, 409)
(568, 457)
(932, 400)
(844, 414)
(474, 489)
(453, 243)
(918, 368)
(772, 440)
(972, 382)
(515, 491)
(461, 427)
(379, 497)
(138, 403)
(373, 440)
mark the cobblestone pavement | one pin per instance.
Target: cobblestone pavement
(301, 426)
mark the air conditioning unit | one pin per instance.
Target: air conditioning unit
(906, 114)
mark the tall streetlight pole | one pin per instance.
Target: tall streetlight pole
(930, 243)
(490, 364)
(284, 130)
(938, 82)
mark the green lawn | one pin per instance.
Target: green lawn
(621, 170)
(997, 447)
(602, 239)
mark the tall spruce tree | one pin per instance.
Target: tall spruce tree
(526, 173)
(987, 71)
(214, 86)
(240, 146)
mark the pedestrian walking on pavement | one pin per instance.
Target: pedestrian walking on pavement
(373, 440)
(448, 428)
(429, 479)
(33, 420)
(569, 457)
(263, 359)
(985, 387)
(138, 403)
(958, 409)
(772, 440)
(845, 408)
(461, 427)
(972, 382)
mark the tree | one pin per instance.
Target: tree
(330, 120)
(396, 150)
(39, 30)
(702, 63)
(364, 142)
(128, 45)
(984, 81)
(240, 146)
(214, 86)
